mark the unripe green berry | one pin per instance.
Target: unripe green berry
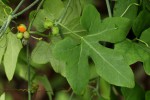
(26, 35)
(19, 35)
(48, 24)
(55, 30)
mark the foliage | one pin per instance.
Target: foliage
(87, 48)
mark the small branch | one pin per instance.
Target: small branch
(16, 9)
(108, 8)
(21, 12)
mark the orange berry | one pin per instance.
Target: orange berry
(22, 28)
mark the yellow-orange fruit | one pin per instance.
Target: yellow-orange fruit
(22, 28)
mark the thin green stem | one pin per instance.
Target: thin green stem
(29, 28)
(16, 9)
(29, 80)
(21, 12)
(108, 8)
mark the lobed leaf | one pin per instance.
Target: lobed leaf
(110, 65)
(133, 51)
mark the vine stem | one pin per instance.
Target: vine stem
(108, 8)
(16, 9)
(21, 12)
(28, 58)
(29, 81)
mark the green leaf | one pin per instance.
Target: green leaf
(2, 47)
(77, 70)
(137, 93)
(54, 8)
(122, 5)
(147, 95)
(90, 18)
(145, 36)
(112, 30)
(11, 55)
(45, 82)
(141, 22)
(74, 10)
(4, 11)
(42, 54)
(76, 51)
(2, 97)
(105, 89)
(133, 51)
(107, 63)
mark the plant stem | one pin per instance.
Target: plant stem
(21, 12)
(29, 28)
(29, 81)
(108, 8)
(16, 9)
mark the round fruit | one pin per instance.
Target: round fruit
(55, 30)
(19, 35)
(22, 28)
(26, 35)
(48, 24)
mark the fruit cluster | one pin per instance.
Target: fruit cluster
(48, 24)
(22, 32)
